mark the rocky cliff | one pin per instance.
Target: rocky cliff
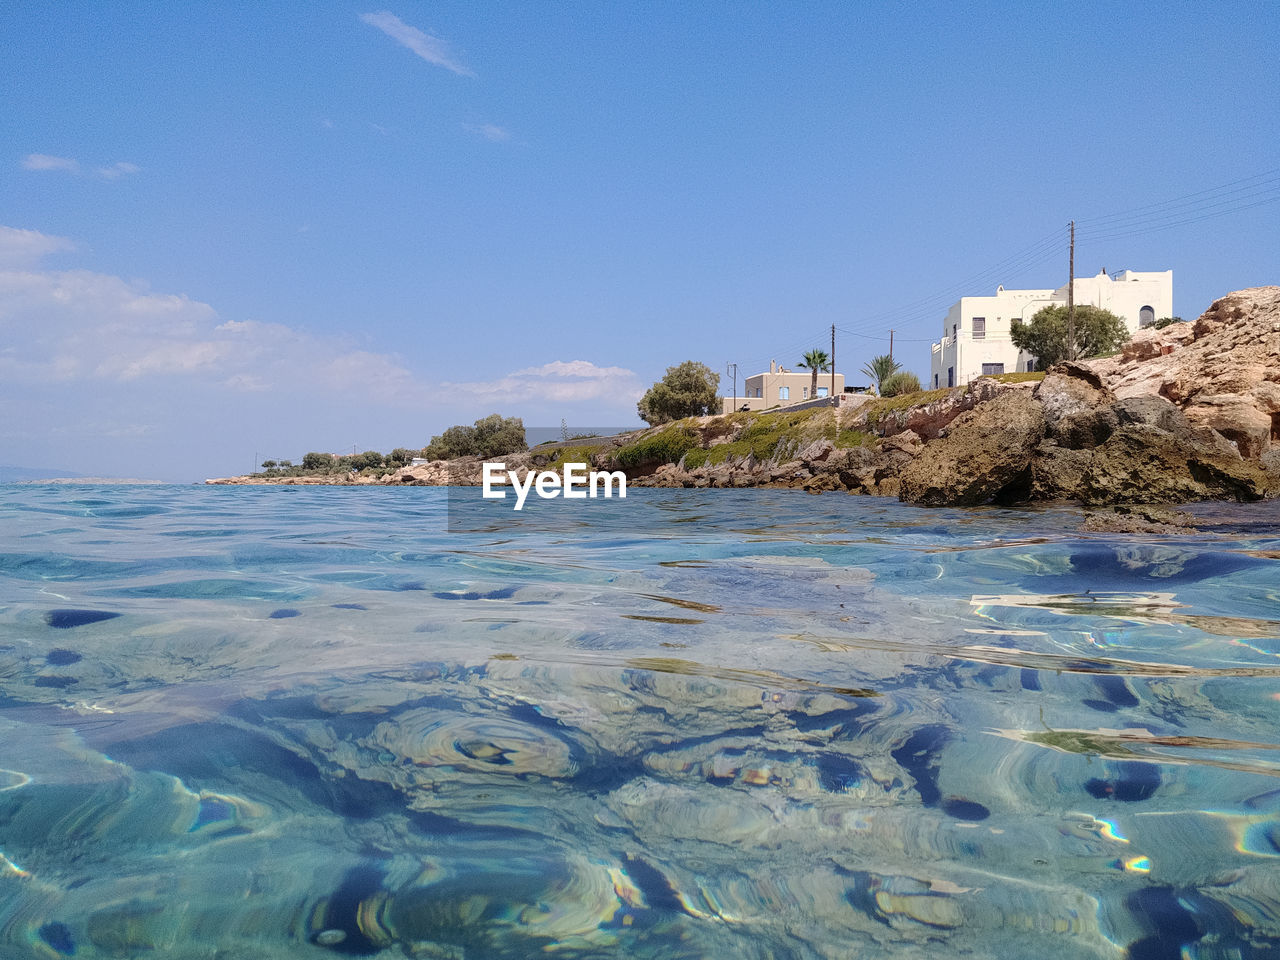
(1188, 412)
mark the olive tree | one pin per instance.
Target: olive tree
(491, 436)
(687, 390)
(1097, 331)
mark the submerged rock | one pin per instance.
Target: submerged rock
(1139, 519)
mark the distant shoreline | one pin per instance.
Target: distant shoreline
(1183, 413)
(72, 481)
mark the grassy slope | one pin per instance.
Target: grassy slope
(768, 435)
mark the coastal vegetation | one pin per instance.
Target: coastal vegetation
(899, 383)
(1097, 332)
(652, 449)
(1188, 426)
(687, 390)
(880, 369)
(491, 436)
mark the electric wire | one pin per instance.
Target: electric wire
(1267, 176)
(1238, 195)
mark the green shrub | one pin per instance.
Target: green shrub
(687, 390)
(490, 437)
(855, 438)
(897, 384)
(1024, 376)
(878, 408)
(665, 446)
(1097, 333)
(318, 461)
(579, 454)
(768, 436)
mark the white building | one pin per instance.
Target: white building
(975, 335)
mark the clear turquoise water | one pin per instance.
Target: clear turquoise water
(260, 723)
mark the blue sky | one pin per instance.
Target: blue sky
(239, 229)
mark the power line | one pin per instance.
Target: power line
(884, 339)
(928, 305)
(798, 345)
(1036, 252)
(1123, 232)
(1232, 197)
(1267, 176)
(946, 297)
(1235, 196)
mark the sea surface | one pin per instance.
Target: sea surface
(249, 723)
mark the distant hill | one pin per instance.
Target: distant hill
(10, 474)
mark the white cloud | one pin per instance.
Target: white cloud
(490, 131)
(118, 170)
(65, 326)
(42, 161)
(21, 248)
(429, 48)
(561, 381)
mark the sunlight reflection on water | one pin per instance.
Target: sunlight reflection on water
(298, 722)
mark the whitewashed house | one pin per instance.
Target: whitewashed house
(975, 335)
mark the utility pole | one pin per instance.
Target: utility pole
(891, 343)
(1071, 296)
(835, 401)
(734, 368)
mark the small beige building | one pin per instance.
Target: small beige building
(779, 387)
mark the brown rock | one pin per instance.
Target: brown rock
(986, 455)
(889, 487)
(1076, 406)
(908, 442)
(817, 451)
(1222, 370)
(1060, 473)
(1142, 463)
(1236, 417)
(1139, 519)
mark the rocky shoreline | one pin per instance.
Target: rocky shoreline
(1188, 412)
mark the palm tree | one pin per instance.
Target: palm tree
(881, 369)
(818, 362)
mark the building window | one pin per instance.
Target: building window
(1031, 365)
(1146, 317)
(979, 328)
(951, 376)
(784, 393)
(804, 393)
(954, 328)
(935, 381)
(822, 391)
(992, 369)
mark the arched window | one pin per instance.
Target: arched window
(1146, 317)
